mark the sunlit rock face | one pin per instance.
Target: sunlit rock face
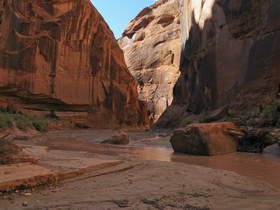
(151, 45)
(60, 56)
(231, 57)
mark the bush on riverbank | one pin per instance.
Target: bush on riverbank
(21, 121)
(270, 113)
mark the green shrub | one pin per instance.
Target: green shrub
(40, 124)
(5, 121)
(269, 112)
(21, 121)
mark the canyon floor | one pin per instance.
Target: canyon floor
(148, 175)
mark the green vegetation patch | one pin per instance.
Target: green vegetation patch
(39, 124)
(5, 121)
(270, 112)
(21, 121)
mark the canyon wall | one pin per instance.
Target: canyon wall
(230, 59)
(59, 56)
(151, 45)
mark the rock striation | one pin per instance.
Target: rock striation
(151, 45)
(60, 56)
(230, 58)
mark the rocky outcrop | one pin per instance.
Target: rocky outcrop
(206, 139)
(59, 56)
(11, 153)
(255, 140)
(230, 58)
(151, 45)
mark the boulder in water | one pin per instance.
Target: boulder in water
(206, 139)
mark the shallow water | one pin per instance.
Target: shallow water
(265, 167)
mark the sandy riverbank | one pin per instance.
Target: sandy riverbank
(152, 185)
(141, 182)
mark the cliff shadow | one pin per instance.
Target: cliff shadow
(229, 61)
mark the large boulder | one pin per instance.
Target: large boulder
(230, 57)
(206, 139)
(61, 57)
(152, 47)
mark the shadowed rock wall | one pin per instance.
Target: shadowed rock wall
(230, 58)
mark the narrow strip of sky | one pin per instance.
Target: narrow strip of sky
(118, 13)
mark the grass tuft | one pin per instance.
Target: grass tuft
(21, 121)
(270, 112)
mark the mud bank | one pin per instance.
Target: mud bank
(153, 185)
(150, 176)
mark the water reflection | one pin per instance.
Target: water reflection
(265, 166)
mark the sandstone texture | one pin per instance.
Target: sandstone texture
(25, 175)
(151, 45)
(230, 58)
(52, 167)
(59, 56)
(11, 153)
(205, 139)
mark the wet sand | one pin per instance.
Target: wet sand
(152, 177)
(152, 185)
(156, 146)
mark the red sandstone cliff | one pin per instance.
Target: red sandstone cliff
(60, 55)
(231, 59)
(151, 45)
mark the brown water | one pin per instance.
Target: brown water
(265, 167)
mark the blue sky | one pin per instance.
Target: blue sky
(118, 13)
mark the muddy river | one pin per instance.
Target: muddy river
(155, 146)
